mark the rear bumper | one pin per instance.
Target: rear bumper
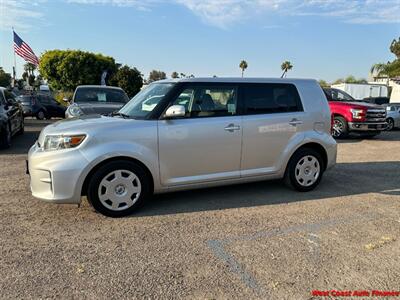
(359, 126)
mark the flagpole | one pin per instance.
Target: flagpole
(15, 62)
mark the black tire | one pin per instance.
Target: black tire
(5, 137)
(103, 173)
(290, 174)
(390, 124)
(40, 115)
(340, 128)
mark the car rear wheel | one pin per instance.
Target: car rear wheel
(40, 115)
(340, 127)
(118, 188)
(390, 124)
(304, 170)
(5, 137)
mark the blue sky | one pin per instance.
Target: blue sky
(324, 39)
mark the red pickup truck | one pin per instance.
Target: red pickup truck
(350, 115)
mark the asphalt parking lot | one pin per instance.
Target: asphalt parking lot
(257, 240)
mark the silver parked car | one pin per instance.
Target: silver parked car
(96, 99)
(392, 115)
(193, 133)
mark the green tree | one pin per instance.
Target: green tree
(395, 48)
(323, 83)
(66, 69)
(352, 79)
(243, 66)
(156, 75)
(5, 78)
(129, 79)
(390, 69)
(174, 75)
(285, 67)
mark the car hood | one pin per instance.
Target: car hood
(99, 108)
(94, 125)
(357, 104)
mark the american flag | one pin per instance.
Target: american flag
(22, 49)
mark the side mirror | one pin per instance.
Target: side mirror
(65, 99)
(175, 111)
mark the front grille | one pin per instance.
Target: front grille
(376, 115)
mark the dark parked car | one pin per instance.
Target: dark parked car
(95, 99)
(41, 106)
(11, 117)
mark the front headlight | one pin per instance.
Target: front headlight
(74, 110)
(358, 113)
(57, 142)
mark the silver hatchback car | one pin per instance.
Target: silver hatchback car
(186, 134)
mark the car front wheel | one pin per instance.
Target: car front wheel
(340, 127)
(390, 124)
(304, 170)
(118, 188)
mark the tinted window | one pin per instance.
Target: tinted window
(9, 96)
(271, 98)
(2, 100)
(100, 95)
(44, 100)
(24, 99)
(208, 101)
(337, 95)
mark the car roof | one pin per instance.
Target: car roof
(99, 87)
(237, 80)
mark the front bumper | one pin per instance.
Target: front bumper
(359, 126)
(56, 175)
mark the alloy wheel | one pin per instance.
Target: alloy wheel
(337, 128)
(390, 124)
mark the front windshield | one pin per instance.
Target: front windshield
(144, 102)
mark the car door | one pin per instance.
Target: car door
(13, 111)
(204, 145)
(56, 108)
(45, 102)
(272, 117)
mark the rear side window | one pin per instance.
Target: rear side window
(271, 98)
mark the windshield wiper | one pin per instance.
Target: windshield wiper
(117, 113)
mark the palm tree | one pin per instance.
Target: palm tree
(380, 70)
(286, 66)
(29, 68)
(243, 65)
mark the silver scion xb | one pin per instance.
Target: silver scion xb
(185, 134)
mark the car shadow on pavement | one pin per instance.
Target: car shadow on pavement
(345, 179)
(384, 136)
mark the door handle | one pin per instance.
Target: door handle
(232, 127)
(295, 122)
